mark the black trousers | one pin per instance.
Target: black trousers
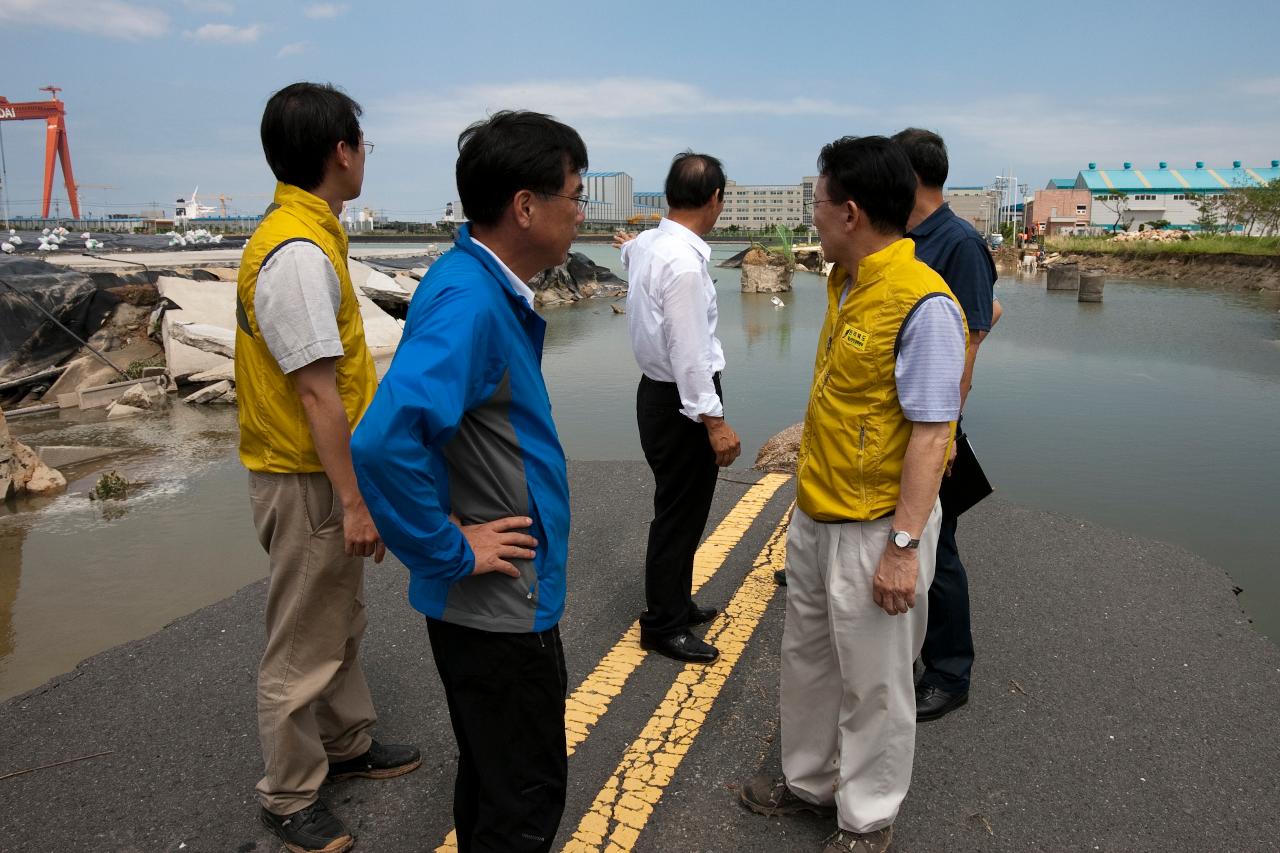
(506, 697)
(679, 453)
(947, 653)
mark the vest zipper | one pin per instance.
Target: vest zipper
(862, 447)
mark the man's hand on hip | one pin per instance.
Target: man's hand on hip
(496, 542)
(894, 586)
(362, 538)
(725, 443)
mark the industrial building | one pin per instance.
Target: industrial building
(758, 207)
(612, 199)
(1060, 208)
(1128, 197)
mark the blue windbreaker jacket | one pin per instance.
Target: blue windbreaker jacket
(462, 423)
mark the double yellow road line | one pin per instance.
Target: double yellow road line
(624, 804)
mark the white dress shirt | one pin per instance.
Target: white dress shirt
(671, 312)
(520, 287)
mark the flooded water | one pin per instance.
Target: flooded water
(1154, 412)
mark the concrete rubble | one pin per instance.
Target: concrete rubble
(21, 469)
(765, 272)
(169, 329)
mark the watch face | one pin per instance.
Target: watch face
(902, 539)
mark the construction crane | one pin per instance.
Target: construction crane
(54, 113)
(80, 188)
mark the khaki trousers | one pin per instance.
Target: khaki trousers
(848, 695)
(313, 702)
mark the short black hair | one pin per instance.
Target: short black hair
(873, 171)
(301, 126)
(927, 153)
(693, 180)
(510, 151)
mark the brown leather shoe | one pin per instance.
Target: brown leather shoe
(844, 841)
(769, 796)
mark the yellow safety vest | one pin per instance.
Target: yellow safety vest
(275, 436)
(855, 434)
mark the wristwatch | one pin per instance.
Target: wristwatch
(903, 539)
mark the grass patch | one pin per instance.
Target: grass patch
(134, 370)
(1209, 244)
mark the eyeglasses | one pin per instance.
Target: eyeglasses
(812, 203)
(367, 146)
(582, 200)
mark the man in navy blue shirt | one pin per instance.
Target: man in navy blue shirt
(956, 251)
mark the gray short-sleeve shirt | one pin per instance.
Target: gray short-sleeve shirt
(296, 302)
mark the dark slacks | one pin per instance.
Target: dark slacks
(947, 654)
(679, 453)
(506, 696)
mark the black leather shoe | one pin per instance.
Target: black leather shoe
(932, 703)
(381, 761)
(682, 647)
(701, 615)
(314, 829)
(780, 577)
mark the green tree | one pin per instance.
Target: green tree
(1118, 203)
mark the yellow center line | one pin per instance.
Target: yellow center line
(627, 800)
(589, 702)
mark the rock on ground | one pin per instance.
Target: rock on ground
(780, 452)
(21, 469)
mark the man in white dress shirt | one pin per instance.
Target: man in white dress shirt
(671, 311)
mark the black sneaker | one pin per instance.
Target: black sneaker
(314, 829)
(382, 761)
(780, 577)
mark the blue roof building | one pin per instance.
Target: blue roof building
(1129, 196)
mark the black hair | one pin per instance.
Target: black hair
(510, 151)
(301, 126)
(927, 153)
(693, 180)
(873, 171)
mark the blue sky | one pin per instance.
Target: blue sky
(162, 96)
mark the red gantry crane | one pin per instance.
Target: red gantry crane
(54, 112)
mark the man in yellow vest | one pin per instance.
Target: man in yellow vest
(862, 540)
(304, 377)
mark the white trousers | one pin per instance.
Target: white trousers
(848, 696)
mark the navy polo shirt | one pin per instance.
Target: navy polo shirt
(955, 250)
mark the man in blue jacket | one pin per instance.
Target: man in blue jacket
(463, 472)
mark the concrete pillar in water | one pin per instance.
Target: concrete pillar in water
(1064, 277)
(1091, 282)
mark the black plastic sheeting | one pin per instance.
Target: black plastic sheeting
(113, 243)
(29, 341)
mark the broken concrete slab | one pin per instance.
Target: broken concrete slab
(204, 302)
(119, 410)
(223, 273)
(87, 370)
(229, 398)
(95, 397)
(218, 374)
(381, 332)
(407, 283)
(209, 393)
(64, 456)
(206, 337)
